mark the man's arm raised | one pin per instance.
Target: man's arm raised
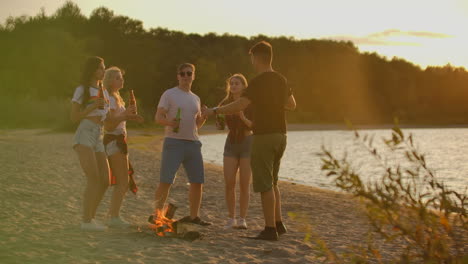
(234, 107)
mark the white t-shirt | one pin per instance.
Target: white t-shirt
(93, 92)
(120, 129)
(189, 103)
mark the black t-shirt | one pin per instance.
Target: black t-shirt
(268, 93)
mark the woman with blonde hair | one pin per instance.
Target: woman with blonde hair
(237, 153)
(116, 144)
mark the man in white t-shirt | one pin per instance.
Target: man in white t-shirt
(179, 110)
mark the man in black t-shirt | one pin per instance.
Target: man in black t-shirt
(269, 97)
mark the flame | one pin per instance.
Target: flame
(162, 225)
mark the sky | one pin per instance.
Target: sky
(424, 32)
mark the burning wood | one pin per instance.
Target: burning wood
(162, 224)
(161, 221)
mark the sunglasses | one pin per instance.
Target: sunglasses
(188, 73)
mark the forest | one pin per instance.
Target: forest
(41, 60)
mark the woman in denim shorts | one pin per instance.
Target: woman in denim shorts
(115, 142)
(237, 153)
(90, 110)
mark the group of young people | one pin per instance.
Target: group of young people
(255, 116)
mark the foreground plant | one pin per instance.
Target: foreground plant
(408, 203)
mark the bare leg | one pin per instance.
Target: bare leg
(161, 195)
(119, 165)
(103, 180)
(268, 205)
(277, 204)
(89, 164)
(230, 172)
(244, 184)
(195, 196)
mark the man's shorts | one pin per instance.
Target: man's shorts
(89, 134)
(186, 152)
(265, 160)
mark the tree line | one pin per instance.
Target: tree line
(41, 58)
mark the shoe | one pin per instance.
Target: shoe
(196, 221)
(118, 222)
(93, 226)
(241, 224)
(231, 223)
(269, 234)
(280, 228)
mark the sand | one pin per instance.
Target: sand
(40, 199)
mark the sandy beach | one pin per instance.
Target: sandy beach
(41, 212)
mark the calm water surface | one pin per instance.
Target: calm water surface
(446, 152)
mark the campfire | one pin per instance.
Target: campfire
(163, 225)
(161, 221)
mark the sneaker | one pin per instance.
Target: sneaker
(268, 234)
(280, 228)
(231, 223)
(196, 221)
(93, 226)
(118, 222)
(241, 224)
(97, 222)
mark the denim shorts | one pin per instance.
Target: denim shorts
(89, 134)
(112, 148)
(186, 152)
(238, 150)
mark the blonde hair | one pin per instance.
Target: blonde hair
(229, 98)
(109, 76)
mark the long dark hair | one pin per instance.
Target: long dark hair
(89, 69)
(229, 97)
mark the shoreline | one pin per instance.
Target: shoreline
(211, 129)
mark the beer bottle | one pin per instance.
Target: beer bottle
(220, 121)
(132, 102)
(177, 119)
(101, 94)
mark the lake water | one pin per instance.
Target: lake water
(446, 152)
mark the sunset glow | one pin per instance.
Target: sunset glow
(425, 32)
